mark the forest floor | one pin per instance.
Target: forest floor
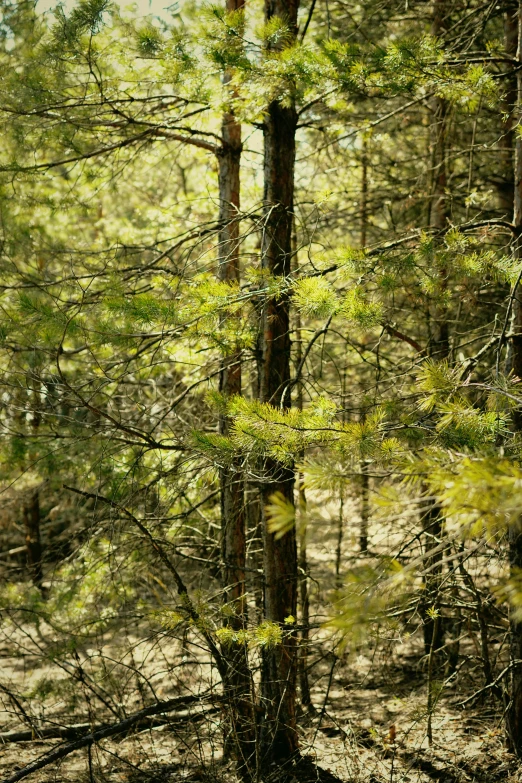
(371, 730)
(368, 725)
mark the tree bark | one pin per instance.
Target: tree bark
(232, 489)
(240, 729)
(279, 664)
(33, 544)
(31, 505)
(439, 340)
(365, 507)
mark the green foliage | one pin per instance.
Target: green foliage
(267, 634)
(314, 296)
(150, 40)
(464, 426)
(274, 33)
(114, 330)
(144, 309)
(168, 619)
(86, 17)
(363, 313)
(441, 382)
(368, 592)
(281, 515)
(480, 492)
(224, 38)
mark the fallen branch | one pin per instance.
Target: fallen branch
(76, 730)
(99, 734)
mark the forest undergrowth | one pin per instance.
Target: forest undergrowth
(367, 721)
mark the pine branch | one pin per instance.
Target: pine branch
(146, 134)
(86, 156)
(180, 585)
(124, 428)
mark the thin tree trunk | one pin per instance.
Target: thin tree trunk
(364, 191)
(33, 544)
(365, 507)
(432, 529)
(438, 348)
(339, 543)
(514, 711)
(279, 665)
(31, 506)
(365, 482)
(232, 494)
(306, 700)
(240, 732)
(506, 185)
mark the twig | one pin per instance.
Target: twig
(491, 684)
(506, 321)
(290, 385)
(180, 585)
(77, 730)
(404, 337)
(431, 661)
(27, 718)
(308, 20)
(95, 736)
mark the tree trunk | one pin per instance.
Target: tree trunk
(506, 184)
(279, 665)
(438, 349)
(31, 504)
(365, 480)
(364, 191)
(232, 489)
(304, 685)
(240, 730)
(514, 711)
(33, 544)
(365, 507)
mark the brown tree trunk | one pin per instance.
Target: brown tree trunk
(364, 191)
(232, 489)
(240, 730)
(31, 504)
(279, 665)
(365, 507)
(514, 711)
(33, 544)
